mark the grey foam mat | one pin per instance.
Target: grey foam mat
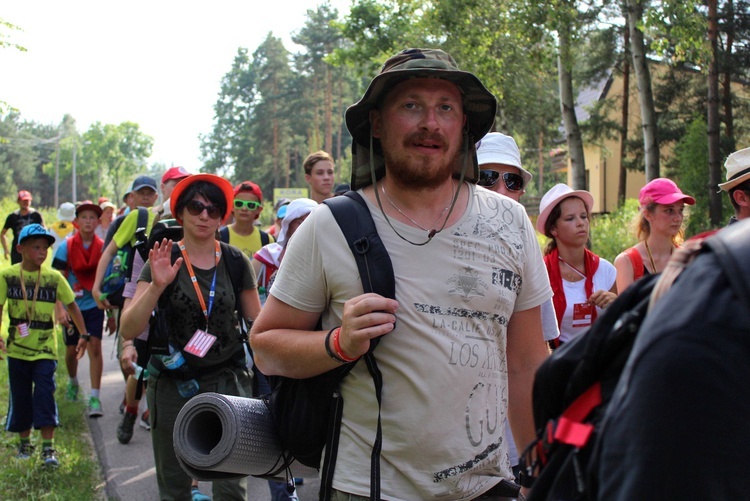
(221, 436)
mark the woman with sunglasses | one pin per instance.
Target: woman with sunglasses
(659, 231)
(500, 171)
(207, 349)
(582, 283)
(500, 166)
(246, 208)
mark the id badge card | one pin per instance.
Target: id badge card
(582, 314)
(200, 343)
(23, 329)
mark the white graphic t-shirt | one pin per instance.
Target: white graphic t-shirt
(445, 373)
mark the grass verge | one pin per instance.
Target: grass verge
(78, 477)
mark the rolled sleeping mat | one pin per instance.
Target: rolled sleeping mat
(220, 437)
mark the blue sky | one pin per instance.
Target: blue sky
(156, 63)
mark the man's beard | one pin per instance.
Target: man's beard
(415, 171)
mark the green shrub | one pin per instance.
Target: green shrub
(613, 233)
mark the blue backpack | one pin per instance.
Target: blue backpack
(120, 268)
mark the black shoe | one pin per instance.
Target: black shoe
(125, 428)
(49, 456)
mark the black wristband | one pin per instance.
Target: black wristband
(330, 351)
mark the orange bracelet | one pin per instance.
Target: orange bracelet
(337, 347)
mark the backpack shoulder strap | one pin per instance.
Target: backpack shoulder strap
(224, 234)
(234, 262)
(264, 240)
(374, 263)
(636, 260)
(142, 217)
(141, 235)
(376, 273)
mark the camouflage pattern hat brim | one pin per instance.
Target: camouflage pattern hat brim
(479, 105)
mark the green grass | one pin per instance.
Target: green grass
(79, 476)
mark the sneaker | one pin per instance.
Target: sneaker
(49, 458)
(144, 421)
(125, 428)
(25, 451)
(122, 406)
(71, 392)
(95, 407)
(198, 495)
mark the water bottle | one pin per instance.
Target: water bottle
(174, 361)
(138, 370)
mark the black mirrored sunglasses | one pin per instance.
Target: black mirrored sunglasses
(195, 208)
(488, 178)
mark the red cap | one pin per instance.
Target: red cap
(24, 195)
(102, 200)
(174, 173)
(251, 187)
(88, 205)
(663, 191)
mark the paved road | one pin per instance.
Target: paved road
(129, 469)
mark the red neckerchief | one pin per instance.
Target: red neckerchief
(83, 261)
(552, 261)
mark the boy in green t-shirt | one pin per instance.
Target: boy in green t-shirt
(31, 290)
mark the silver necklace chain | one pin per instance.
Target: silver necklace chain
(434, 225)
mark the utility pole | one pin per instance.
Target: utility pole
(74, 172)
(57, 171)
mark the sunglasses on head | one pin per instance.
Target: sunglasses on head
(196, 208)
(488, 179)
(248, 204)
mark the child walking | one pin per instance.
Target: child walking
(77, 259)
(31, 289)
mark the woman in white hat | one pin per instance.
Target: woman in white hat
(581, 281)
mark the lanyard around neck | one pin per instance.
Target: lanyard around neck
(29, 316)
(212, 292)
(583, 275)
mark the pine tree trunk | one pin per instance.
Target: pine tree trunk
(727, 84)
(570, 121)
(714, 148)
(645, 91)
(622, 186)
(329, 110)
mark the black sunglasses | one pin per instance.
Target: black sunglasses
(488, 179)
(195, 208)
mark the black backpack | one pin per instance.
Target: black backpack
(307, 412)
(572, 390)
(120, 267)
(224, 236)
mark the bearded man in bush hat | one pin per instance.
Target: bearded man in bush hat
(461, 342)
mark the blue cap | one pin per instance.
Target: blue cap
(143, 182)
(33, 231)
